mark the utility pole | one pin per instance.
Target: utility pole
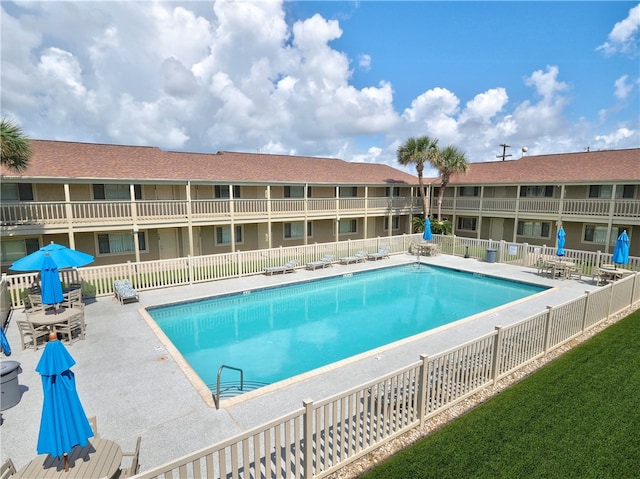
(504, 151)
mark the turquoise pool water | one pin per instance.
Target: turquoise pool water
(277, 333)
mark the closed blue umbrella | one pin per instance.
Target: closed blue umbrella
(621, 250)
(427, 236)
(63, 424)
(4, 343)
(62, 256)
(561, 241)
(51, 288)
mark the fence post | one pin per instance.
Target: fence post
(584, 312)
(547, 329)
(422, 390)
(239, 264)
(497, 355)
(525, 254)
(308, 437)
(190, 266)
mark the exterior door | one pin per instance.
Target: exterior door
(168, 243)
(497, 229)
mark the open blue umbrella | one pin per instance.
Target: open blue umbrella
(621, 250)
(63, 424)
(427, 236)
(62, 256)
(4, 343)
(561, 241)
(51, 288)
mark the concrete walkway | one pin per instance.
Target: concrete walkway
(127, 378)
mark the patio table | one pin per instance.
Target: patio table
(100, 459)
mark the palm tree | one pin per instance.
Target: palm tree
(448, 161)
(418, 151)
(15, 147)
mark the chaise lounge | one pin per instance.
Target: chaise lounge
(381, 254)
(123, 291)
(359, 257)
(325, 261)
(290, 267)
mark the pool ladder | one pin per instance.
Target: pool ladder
(216, 396)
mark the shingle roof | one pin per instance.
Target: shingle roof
(62, 160)
(587, 167)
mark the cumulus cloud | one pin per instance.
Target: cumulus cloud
(623, 37)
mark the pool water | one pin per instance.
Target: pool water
(277, 333)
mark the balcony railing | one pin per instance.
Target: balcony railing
(89, 213)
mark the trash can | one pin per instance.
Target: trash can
(491, 255)
(10, 390)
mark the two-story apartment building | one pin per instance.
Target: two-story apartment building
(594, 195)
(131, 203)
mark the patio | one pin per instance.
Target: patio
(126, 377)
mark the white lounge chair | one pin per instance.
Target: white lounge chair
(325, 261)
(290, 267)
(381, 254)
(359, 257)
(123, 291)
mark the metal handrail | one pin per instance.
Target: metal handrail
(216, 397)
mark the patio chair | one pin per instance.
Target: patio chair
(381, 254)
(73, 299)
(7, 469)
(73, 326)
(31, 335)
(286, 268)
(124, 292)
(359, 257)
(93, 422)
(133, 469)
(324, 262)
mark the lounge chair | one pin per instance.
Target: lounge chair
(123, 291)
(381, 254)
(290, 267)
(325, 261)
(359, 257)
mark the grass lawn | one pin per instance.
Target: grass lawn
(578, 417)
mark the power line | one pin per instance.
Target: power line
(504, 151)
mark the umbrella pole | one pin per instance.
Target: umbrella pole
(66, 462)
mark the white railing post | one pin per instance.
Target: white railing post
(308, 437)
(497, 354)
(239, 263)
(422, 389)
(190, 268)
(585, 311)
(547, 329)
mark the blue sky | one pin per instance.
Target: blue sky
(342, 79)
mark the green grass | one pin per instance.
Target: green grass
(578, 417)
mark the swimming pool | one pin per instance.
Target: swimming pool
(280, 332)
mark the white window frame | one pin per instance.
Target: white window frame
(348, 226)
(227, 229)
(114, 237)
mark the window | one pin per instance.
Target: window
(348, 191)
(120, 243)
(469, 191)
(347, 226)
(295, 191)
(600, 191)
(296, 230)
(598, 233)
(115, 192)
(17, 192)
(537, 191)
(469, 224)
(14, 249)
(626, 191)
(222, 191)
(223, 234)
(395, 191)
(395, 222)
(537, 229)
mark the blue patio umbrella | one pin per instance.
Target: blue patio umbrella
(62, 256)
(427, 236)
(621, 249)
(561, 241)
(4, 343)
(63, 424)
(51, 288)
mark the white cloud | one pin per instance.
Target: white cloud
(622, 39)
(623, 87)
(364, 62)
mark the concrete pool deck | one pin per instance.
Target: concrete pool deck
(127, 378)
